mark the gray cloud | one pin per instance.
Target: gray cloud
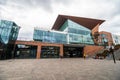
(3, 2)
(109, 8)
(23, 4)
(45, 4)
(116, 9)
(65, 2)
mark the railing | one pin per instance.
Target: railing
(24, 39)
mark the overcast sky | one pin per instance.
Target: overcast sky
(43, 13)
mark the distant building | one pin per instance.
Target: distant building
(8, 35)
(116, 39)
(108, 39)
(105, 38)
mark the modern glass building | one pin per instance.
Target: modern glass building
(73, 32)
(69, 33)
(70, 36)
(8, 34)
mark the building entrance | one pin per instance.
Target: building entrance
(73, 52)
(25, 52)
(50, 52)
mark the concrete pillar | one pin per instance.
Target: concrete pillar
(61, 50)
(38, 51)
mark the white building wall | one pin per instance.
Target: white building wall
(116, 39)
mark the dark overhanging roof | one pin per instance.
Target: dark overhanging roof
(87, 22)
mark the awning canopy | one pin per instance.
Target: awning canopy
(86, 22)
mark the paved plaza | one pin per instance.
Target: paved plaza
(59, 69)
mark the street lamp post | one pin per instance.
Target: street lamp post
(111, 49)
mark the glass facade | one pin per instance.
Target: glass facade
(77, 33)
(8, 31)
(64, 27)
(49, 36)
